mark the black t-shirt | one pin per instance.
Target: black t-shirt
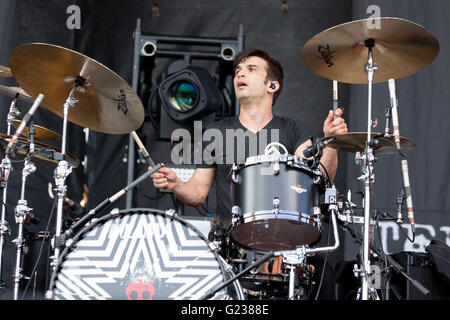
(227, 141)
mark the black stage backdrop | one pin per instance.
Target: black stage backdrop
(106, 35)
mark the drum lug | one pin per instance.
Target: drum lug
(276, 205)
(234, 176)
(317, 180)
(170, 212)
(317, 211)
(276, 168)
(235, 214)
(114, 212)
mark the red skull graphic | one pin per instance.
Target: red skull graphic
(140, 290)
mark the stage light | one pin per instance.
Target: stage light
(189, 94)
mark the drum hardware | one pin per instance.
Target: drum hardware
(293, 258)
(340, 48)
(392, 264)
(269, 219)
(160, 271)
(5, 168)
(22, 211)
(404, 161)
(258, 262)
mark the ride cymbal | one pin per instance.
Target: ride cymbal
(106, 103)
(41, 133)
(44, 154)
(356, 142)
(400, 48)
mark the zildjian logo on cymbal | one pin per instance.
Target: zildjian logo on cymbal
(326, 53)
(122, 100)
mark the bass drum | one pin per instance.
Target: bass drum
(141, 254)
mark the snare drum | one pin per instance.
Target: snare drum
(141, 254)
(275, 203)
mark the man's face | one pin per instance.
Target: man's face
(250, 79)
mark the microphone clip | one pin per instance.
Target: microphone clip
(314, 152)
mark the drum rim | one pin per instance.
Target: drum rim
(301, 216)
(299, 162)
(114, 214)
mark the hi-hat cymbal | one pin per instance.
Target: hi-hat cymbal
(5, 72)
(356, 142)
(41, 133)
(44, 154)
(106, 103)
(13, 91)
(401, 48)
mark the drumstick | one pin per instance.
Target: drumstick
(144, 151)
(335, 97)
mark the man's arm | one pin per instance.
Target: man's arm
(191, 193)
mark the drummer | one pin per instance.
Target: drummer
(258, 81)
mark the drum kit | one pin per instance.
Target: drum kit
(278, 201)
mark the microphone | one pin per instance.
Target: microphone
(400, 199)
(26, 120)
(315, 150)
(404, 162)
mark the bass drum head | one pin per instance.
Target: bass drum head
(140, 254)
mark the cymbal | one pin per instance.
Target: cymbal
(356, 142)
(5, 72)
(41, 133)
(400, 49)
(13, 91)
(44, 154)
(106, 103)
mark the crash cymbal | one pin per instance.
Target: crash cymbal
(401, 48)
(41, 133)
(13, 91)
(44, 154)
(356, 142)
(106, 103)
(5, 72)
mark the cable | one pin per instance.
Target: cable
(326, 173)
(399, 225)
(40, 249)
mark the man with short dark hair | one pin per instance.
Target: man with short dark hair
(258, 81)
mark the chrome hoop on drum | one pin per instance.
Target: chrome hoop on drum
(141, 254)
(275, 203)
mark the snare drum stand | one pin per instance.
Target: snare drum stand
(62, 171)
(6, 169)
(21, 213)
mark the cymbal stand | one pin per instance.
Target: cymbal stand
(62, 171)
(21, 212)
(367, 159)
(6, 169)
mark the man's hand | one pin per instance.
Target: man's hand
(164, 177)
(333, 126)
